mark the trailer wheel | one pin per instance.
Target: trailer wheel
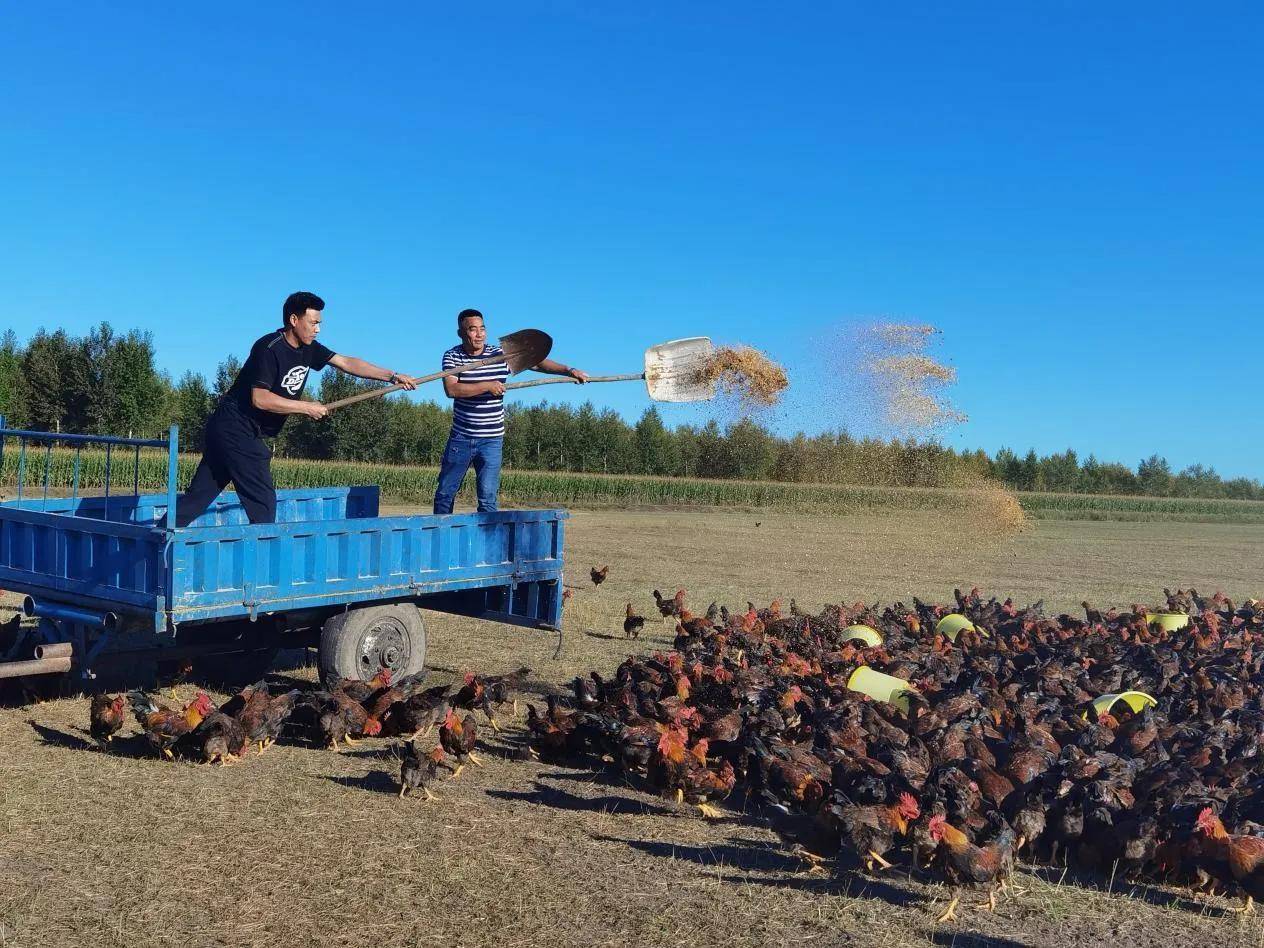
(361, 642)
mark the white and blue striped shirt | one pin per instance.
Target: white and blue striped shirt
(482, 416)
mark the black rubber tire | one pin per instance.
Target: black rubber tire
(362, 641)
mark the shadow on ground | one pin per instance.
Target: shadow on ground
(562, 800)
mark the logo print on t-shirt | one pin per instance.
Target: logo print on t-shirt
(294, 379)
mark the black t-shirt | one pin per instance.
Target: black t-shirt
(280, 368)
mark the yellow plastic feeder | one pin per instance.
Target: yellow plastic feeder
(881, 687)
(954, 624)
(1168, 621)
(1137, 700)
(863, 633)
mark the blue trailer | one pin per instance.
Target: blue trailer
(117, 586)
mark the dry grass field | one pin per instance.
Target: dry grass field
(299, 846)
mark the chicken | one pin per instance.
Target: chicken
(503, 689)
(1244, 855)
(218, 738)
(362, 690)
(676, 769)
(598, 574)
(789, 777)
(10, 631)
(261, 715)
(458, 738)
(418, 714)
(1136, 734)
(338, 717)
(670, 608)
(632, 624)
(1026, 812)
(106, 716)
(547, 737)
(869, 832)
(163, 726)
(964, 862)
(384, 698)
(416, 769)
(485, 691)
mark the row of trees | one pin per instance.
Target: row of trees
(108, 382)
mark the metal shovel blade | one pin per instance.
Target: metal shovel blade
(525, 349)
(675, 371)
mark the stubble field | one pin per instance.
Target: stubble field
(304, 846)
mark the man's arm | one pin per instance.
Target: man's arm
(556, 368)
(455, 389)
(264, 400)
(367, 370)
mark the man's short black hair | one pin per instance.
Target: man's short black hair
(298, 304)
(468, 314)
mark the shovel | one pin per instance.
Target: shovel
(523, 349)
(673, 372)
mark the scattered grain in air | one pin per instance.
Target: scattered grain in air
(901, 387)
(908, 382)
(746, 374)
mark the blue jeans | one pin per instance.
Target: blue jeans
(460, 453)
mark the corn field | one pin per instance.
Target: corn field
(147, 469)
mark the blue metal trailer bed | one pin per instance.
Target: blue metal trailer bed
(111, 576)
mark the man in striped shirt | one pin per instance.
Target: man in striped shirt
(478, 414)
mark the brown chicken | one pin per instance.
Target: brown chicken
(260, 714)
(339, 718)
(798, 778)
(669, 608)
(384, 698)
(416, 769)
(870, 831)
(218, 738)
(418, 714)
(484, 691)
(458, 738)
(550, 732)
(676, 769)
(362, 690)
(965, 863)
(598, 574)
(106, 717)
(163, 726)
(1244, 854)
(632, 624)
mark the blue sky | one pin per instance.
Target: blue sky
(1070, 191)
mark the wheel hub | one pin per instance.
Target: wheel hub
(384, 645)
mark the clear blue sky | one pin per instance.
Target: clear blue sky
(1071, 191)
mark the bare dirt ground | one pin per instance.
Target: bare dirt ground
(300, 846)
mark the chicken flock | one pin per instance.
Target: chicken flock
(345, 712)
(1000, 756)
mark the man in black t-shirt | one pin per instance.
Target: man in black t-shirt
(267, 389)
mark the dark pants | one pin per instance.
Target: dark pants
(234, 453)
(460, 452)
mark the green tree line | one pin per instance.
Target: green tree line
(107, 382)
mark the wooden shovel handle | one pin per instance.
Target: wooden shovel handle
(379, 392)
(532, 383)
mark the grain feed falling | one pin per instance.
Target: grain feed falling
(745, 375)
(892, 387)
(908, 382)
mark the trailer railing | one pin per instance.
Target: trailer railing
(46, 440)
